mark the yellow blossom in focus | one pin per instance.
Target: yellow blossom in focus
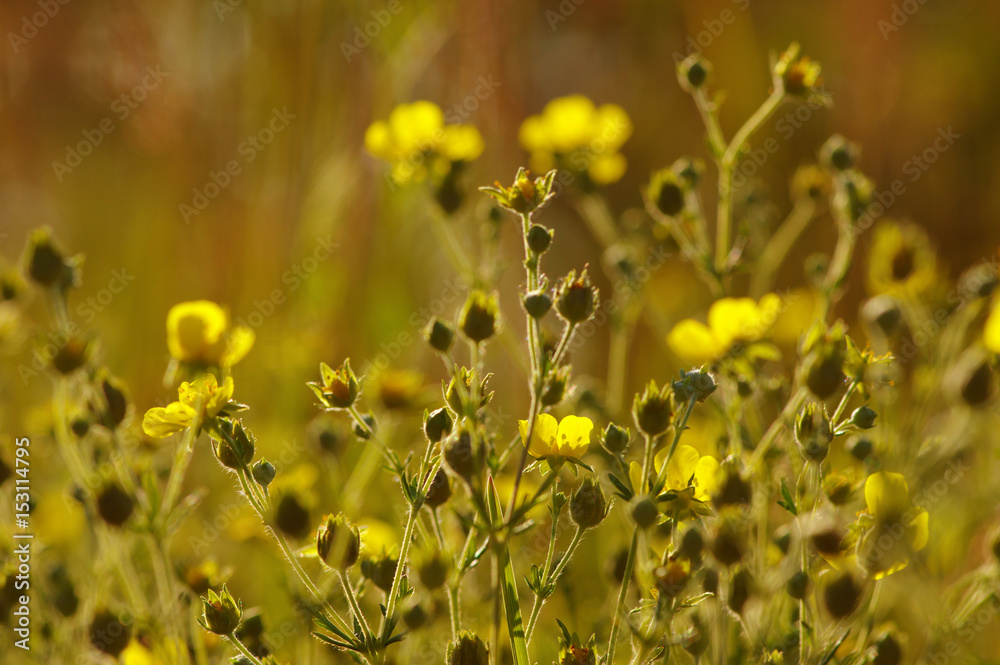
(573, 134)
(730, 320)
(549, 438)
(199, 333)
(690, 480)
(197, 400)
(416, 141)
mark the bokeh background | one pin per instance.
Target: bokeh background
(200, 77)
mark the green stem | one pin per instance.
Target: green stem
(661, 477)
(622, 593)
(182, 459)
(780, 245)
(772, 432)
(844, 401)
(242, 648)
(404, 551)
(552, 579)
(352, 600)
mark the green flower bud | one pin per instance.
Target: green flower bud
(222, 612)
(464, 456)
(239, 449)
(46, 264)
(381, 572)
(116, 401)
(653, 411)
(576, 297)
(539, 238)
(263, 472)
(813, 432)
(882, 313)
(887, 650)
(692, 543)
(338, 542)
(80, 426)
(537, 304)
(740, 590)
(433, 572)
(666, 192)
(697, 383)
(692, 72)
(439, 334)
(728, 545)
(291, 517)
(555, 386)
(589, 505)
(114, 505)
(72, 354)
(524, 196)
(841, 596)
(440, 490)
(437, 424)
(339, 389)
(860, 448)
(838, 153)
(795, 74)
(415, 617)
(824, 372)
(864, 417)
(368, 430)
(799, 585)
(468, 649)
(480, 317)
(645, 513)
(615, 439)
(108, 633)
(453, 396)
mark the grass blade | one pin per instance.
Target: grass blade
(508, 586)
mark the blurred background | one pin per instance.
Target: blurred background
(117, 117)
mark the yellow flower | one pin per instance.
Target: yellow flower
(198, 333)
(730, 320)
(197, 400)
(890, 528)
(902, 261)
(991, 332)
(571, 133)
(416, 142)
(691, 477)
(568, 438)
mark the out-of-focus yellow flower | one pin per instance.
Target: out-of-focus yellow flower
(136, 654)
(796, 319)
(691, 478)
(991, 332)
(197, 400)
(549, 438)
(198, 333)
(572, 134)
(891, 529)
(730, 320)
(418, 143)
(902, 261)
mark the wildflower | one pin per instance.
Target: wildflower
(338, 542)
(567, 438)
(796, 74)
(222, 613)
(615, 439)
(44, 261)
(730, 321)
(439, 491)
(589, 505)
(439, 334)
(524, 197)
(890, 529)
(480, 316)
(539, 238)
(339, 389)
(468, 649)
(263, 472)
(690, 479)
(437, 424)
(572, 134)
(576, 298)
(199, 335)
(537, 304)
(902, 261)
(198, 401)
(418, 145)
(653, 411)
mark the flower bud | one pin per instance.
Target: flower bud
(339, 389)
(115, 400)
(539, 238)
(732, 491)
(653, 411)
(710, 581)
(828, 540)
(72, 354)
(860, 448)
(415, 617)
(437, 424)
(108, 633)
(971, 379)
(433, 572)
(222, 612)
(813, 432)
(887, 650)
(728, 545)
(453, 396)
(291, 517)
(694, 640)
(480, 316)
(464, 455)
(672, 578)
(841, 595)
(537, 304)
(80, 426)
(666, 192)
(799, 585)
(263, 472)
(338, 542)
(440, 490)
(439, 334)
(11, 285)
(236, 446)
(838, 153)
(615, 439)
(365, 429)
(809, 182)
(740, 590)
(795, 74)
(468, 649)
(692, 72)
(555, 386)
(824, 372)
(645, 513)
(576, 297)
(864, 417)
(114, 505)
(838, 488)
(697, 383)
(45, 263)
(979, 281)
(692, 544)
(381, 571)
(589, 505)
(882, 313)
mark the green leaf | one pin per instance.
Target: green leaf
(508, 584)
(788, 503)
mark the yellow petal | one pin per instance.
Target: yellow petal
(416, 127)
(461, 143)
(161, 422)
(570, 122)
(136, 654)
(614, 126)
(543, 436)
(239, 341)
(573, 436)
(707, 476)
(194, 331)
(606, 169)
(681, 467)
(532, 135)
(918, 530)
(991, 332)
(887, 495)
(694, 341)
(635, 475)
(734, 319)
(219, 397)
(378, 141)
